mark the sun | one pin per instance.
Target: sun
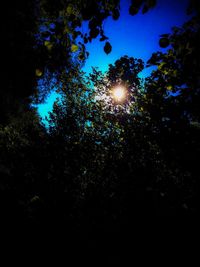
(119, 93)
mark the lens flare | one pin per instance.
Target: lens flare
(119, 93)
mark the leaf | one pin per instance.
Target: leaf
(34, 199)
(115, 14)
(85, 40)
(81, 56)
(133, 10)
(74, 48)
(48, 45)
(164, 42)
(94, 32)
(103, 38)
(161, 65)
(169, 87)
(69, 10)
(66, 30)
(107, 48)
(38, 72)
(145, 9)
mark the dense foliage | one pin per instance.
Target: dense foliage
(99, 162)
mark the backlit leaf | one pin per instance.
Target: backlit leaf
(169, 87)
(48, 45)
(38, 72)
(74, 48)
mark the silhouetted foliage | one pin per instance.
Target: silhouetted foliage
(98, 162)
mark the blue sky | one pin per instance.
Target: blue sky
(135, 36)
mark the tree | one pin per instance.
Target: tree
(172, 97)
(100, 160)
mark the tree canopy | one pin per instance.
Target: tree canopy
(98, 162)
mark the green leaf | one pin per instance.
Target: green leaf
(169, 87)
(34, 199)
(48, 45)
(38, 72)
(69, 10)
(74, 48)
